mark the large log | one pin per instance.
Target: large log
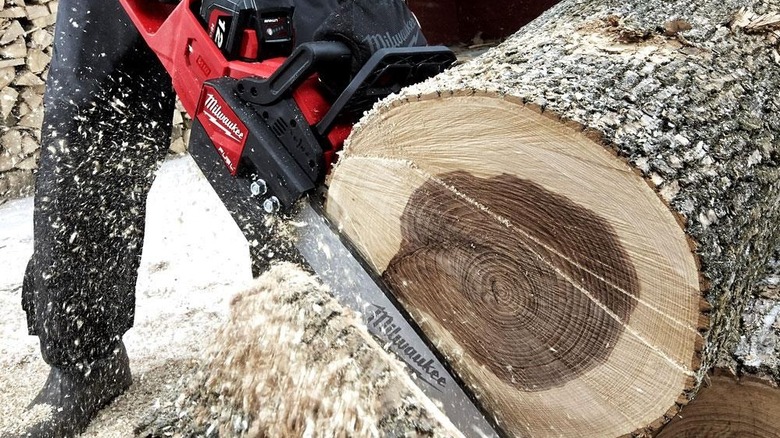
(554, 212)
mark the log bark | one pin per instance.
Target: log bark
(554, 212)
(758, 350)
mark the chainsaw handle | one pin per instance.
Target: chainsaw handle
(308, 58)
(386, 72)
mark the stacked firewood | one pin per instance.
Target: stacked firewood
(26, 38)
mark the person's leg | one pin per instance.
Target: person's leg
(108, 108)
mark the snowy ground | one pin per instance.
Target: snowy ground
(195, 259)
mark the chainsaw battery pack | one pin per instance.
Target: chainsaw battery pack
(246, 33)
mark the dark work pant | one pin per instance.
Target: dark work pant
(106, 128)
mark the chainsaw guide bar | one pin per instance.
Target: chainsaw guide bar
(336, 264)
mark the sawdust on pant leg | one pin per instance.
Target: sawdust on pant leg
(291, 361)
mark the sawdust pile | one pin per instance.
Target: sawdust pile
(292, 362)
(27, 419)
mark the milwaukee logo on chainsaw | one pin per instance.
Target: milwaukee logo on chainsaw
(228, 125)
(223, 127)
(422, 365)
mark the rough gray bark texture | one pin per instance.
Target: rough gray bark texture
(688, 93)
(758, 351)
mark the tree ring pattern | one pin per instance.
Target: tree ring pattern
(536, 287)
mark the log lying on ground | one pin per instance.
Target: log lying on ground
(553, 212)
(292, 362)
(729, 407)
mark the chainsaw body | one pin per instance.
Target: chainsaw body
(271, 113)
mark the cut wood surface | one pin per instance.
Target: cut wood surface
(545, 292)
(553, 212)
(729, 408)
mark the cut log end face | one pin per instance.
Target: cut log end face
(538, 302)
(556, 281)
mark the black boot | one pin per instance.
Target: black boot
(77, 394)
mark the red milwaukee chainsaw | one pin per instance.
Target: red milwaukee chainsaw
(269, 115)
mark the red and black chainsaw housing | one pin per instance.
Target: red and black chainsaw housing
(254, 146)
(266, 128)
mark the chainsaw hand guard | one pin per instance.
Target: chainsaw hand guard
(324, 57)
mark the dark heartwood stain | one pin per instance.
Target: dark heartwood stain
(520, 299)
